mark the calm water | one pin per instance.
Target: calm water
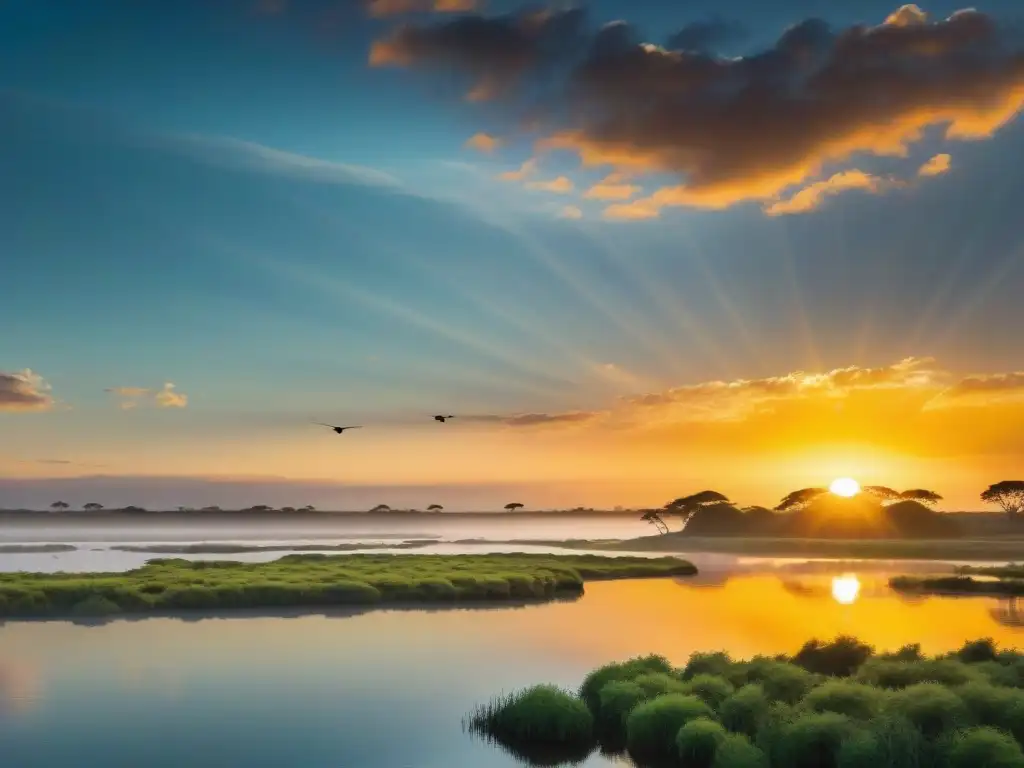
(388, 689)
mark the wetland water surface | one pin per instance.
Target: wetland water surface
(388, 688)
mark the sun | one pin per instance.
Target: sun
(845, 588)
(845, 486)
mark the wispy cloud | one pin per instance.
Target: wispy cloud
(560, 185)
(570, 212)
(381, 8)
(527, 169)
(133, 397)
(813, 195)
(483, 142)
(24, 391)
(936, 166)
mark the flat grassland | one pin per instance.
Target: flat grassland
(316, 580)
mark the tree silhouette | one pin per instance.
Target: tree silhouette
(92, 506)
(434, 508)
(799, 499)
(652, 517)
(131, 509)
(381, 508)
(1008, 494)
(287, 509)
(59, 506)
(513, 506)
(882, 492)
(211, 509)
(308, 508)
(921, 495)
(685, 507)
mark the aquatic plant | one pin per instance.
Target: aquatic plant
(899, 710)
(320, 580)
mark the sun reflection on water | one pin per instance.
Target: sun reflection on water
(845, 588)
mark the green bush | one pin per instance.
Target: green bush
(736, 751)
(840, 658)
(618, 699)
(96, 605)
(813, 740)
(885, 742)
(900, 674)
(984, 748)
(658, 683)
(781, 681)
(930, 707)
(590, 690)
(710, 689)
(845, 697)
(697, 742)
(652, 726)
(542, 715)
(718, 664)
(994, 706)
(745, 709)
(978, 650)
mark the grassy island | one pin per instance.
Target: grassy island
(317, 580)
(985, 585)
(830, 705)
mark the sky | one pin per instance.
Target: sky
(636, 249)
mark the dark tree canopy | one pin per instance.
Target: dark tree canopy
(1008, 494)
(687, 506)
(59, 505)
(514, 506)
(799, 499)
(922, 495)
(434, 508)
(883, 492)
(92, 506)
(651, 516)
(381, 508)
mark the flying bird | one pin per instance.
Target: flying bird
(339, 430)
(443, 419)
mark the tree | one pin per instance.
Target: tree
(652, 517)
(287, 509)
(799, 499)
(685, 507)
(435, 508)
(92, 506)
(513, 506)
(921, 495)
(59, 506)
(381, 508)
(211, 509)
(308, 508)
(131, 509)
(1008, 494)
(882, 492)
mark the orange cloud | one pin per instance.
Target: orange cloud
(570, 212)
(936, 166)
(381, 8)
(813, 195)
(745, 128)
(611, 189)
(561, 185)
(167, 397)
(24, 391)
(483, 142)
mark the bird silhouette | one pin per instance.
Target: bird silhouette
(339, 430)
(443, 419)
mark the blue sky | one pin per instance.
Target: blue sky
(227, 197)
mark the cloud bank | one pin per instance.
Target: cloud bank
(732, 129)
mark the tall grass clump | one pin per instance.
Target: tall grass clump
(590, 690)
(984, 747)
(744, 711)
(652, 727)
(537, 719)
(845, 697)
(840, 658)
(698, 741)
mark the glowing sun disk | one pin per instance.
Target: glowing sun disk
(845, 486)
(845, 588)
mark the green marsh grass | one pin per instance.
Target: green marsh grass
(892, 710)
(317, 581)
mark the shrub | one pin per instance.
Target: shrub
(781, 681)
(744, 710)
(697, 742)
(618, 699)
(718, 663)
(710, 689)
(900, 674)
(977, 650)
(886, 742)
(994, 706)
(736, 751)
(909, 652)
(841, 657)
(651, 727)
(845, 697)
(813, 740)
(658, 683)
(542, 715)
(984, 748)
(931, 708)
(590, 690)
